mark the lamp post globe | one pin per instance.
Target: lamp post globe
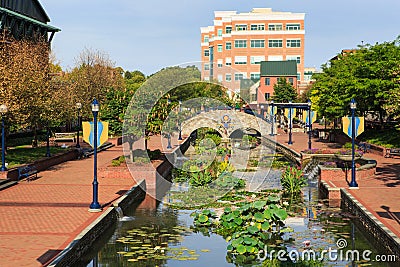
(3, 111)
(353, 106)
(95, 206)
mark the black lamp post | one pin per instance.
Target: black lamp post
(78, 108)
(353, 106)
(262, 111)
(95, 206)
(180, 123)
(290, 142)
(309, 123)
(169, 146)
(272, 118)
(48, 142)
(3, 111)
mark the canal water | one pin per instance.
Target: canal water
(158, 235)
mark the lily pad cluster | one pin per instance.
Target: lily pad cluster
(248, 227)
(153, 245)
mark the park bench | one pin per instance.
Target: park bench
(27, 172)
(391, 152)
(64, 137)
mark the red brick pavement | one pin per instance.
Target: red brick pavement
(41, 217)
(380, 194)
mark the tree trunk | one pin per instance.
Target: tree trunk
(35, 136)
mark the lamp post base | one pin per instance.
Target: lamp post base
(354, 187)
(95, 210)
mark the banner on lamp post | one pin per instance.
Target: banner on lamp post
(347, 125)
(292, 113)
(88, 132)
(313, 115)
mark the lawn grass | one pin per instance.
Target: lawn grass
(23, 155)
(389, 138)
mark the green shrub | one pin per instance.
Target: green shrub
(293, 181)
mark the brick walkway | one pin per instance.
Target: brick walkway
(380, 194)
(41, 217)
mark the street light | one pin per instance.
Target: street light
(353, 106)
(78, 108)
(3, 111)
(262, 111)
(272, 118)
(180, 123)
(290, 142)
(309, 123)
(95, 206)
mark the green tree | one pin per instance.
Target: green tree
(284, 91)
(369, 74)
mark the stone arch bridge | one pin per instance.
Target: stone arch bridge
(226, 122)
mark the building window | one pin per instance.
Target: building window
(220, 77)
(275, 43)
(219, 63)
(206, 66)
(293, 43)
(297, 58)
(240, 60)
(256, 59)
(257, 27)
(228, 77)
(266, 96)
(241, 27)
(298, 76)
(219, 48)
(255, 76)
(228, 45)
(219, 32)
(240, 43)
(206, 53)
(228, 61)
(275, 27)
(238, 76)
(257, 43)
(291, 81)
(228, 29)
(293, 27)
(267, 81)
(253, 97)
(206, 78)
(206, 38)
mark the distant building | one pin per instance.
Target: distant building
(271, 71)
(24, 19)
(232, 49)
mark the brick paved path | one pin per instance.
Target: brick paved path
(380, 194)
(40, 218)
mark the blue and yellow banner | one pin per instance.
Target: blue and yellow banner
(88, 132)
(313, 115)
(291, 113)
(347, 125)
(269, 110)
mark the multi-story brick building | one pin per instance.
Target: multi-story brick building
(234, 46)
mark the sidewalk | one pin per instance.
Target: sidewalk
(41, 217)
(379, 194)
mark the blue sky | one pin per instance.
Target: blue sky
(149, 35)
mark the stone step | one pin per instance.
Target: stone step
(6, 184)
